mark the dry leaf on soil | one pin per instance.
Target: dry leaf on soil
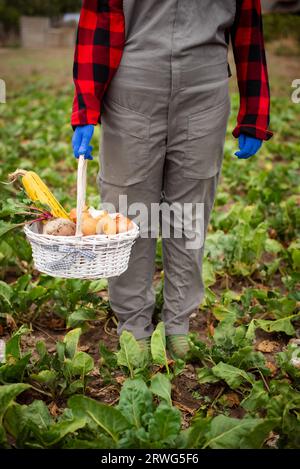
(268, 346)
(273, 368)
(232, 399)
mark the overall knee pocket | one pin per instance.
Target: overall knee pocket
(206, 135)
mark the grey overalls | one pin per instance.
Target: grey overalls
(164, 120)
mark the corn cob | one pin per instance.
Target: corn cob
(36, 189)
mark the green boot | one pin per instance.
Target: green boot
(178, 346)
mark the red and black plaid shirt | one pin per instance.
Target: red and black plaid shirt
(100, 42)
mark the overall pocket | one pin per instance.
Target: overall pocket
(205, 145)
(124, 154)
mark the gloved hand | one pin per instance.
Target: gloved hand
(248, 146)
(81, 141)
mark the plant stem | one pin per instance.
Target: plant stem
(41, 391)
(218, 396)
(264, 381)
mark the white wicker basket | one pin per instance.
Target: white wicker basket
(84, 257)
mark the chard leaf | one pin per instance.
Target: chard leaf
(135, 401)
(195, 435)
(13, 344)
(228, 433)
(164, 426)
(233, 376)
(81, 364)
(158, 346)
(6, 293)
(81, 315)
(109, 419)
(257, 399)
(44, 376)
(14, 369)
(279, 325)
(8, 392)
(71, 340)
(130, 354)
(161, 387)
(206, 375)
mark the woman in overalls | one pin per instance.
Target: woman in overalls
(155, 73)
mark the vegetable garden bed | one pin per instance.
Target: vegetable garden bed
(62, 384)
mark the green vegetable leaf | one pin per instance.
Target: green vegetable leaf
(206, 375)
(208, 272)
(195, 435)
(44, 376)
(6, 293)
(246, 358)
(109, 419)
(98, 285)
(135, 401)
(14, 369)
(107, 357)
(158, 346)
(165, 425)
(130, 354)
(96, 443)
(71, 340)
(80, 365)
(257, 399)
(6, 227)
(161, 387)
(59, 430)
(233, 376)
(256, 435)
(228, 433)
(8, 392)
(13, 344)
(80, 316)
(279, 325)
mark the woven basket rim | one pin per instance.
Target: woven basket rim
(128, 235)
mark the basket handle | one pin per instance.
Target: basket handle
(81, 192)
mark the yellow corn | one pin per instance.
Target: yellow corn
(36, 189)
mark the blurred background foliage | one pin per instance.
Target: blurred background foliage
(10, 12)
(280, 26)
(276, 25)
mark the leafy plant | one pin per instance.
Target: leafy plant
(158, 346)
(8, 393)
(67, 371)
(130, 354)
(15, 365)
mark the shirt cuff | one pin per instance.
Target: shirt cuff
(252, 131)
(85, 117)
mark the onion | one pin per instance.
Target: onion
(106, 225)
(88, 226)
(123, 223)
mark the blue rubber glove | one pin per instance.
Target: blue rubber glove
(248, 146)
(81, 141)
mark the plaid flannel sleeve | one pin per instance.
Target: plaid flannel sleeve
(252, 74)
(99, 46)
